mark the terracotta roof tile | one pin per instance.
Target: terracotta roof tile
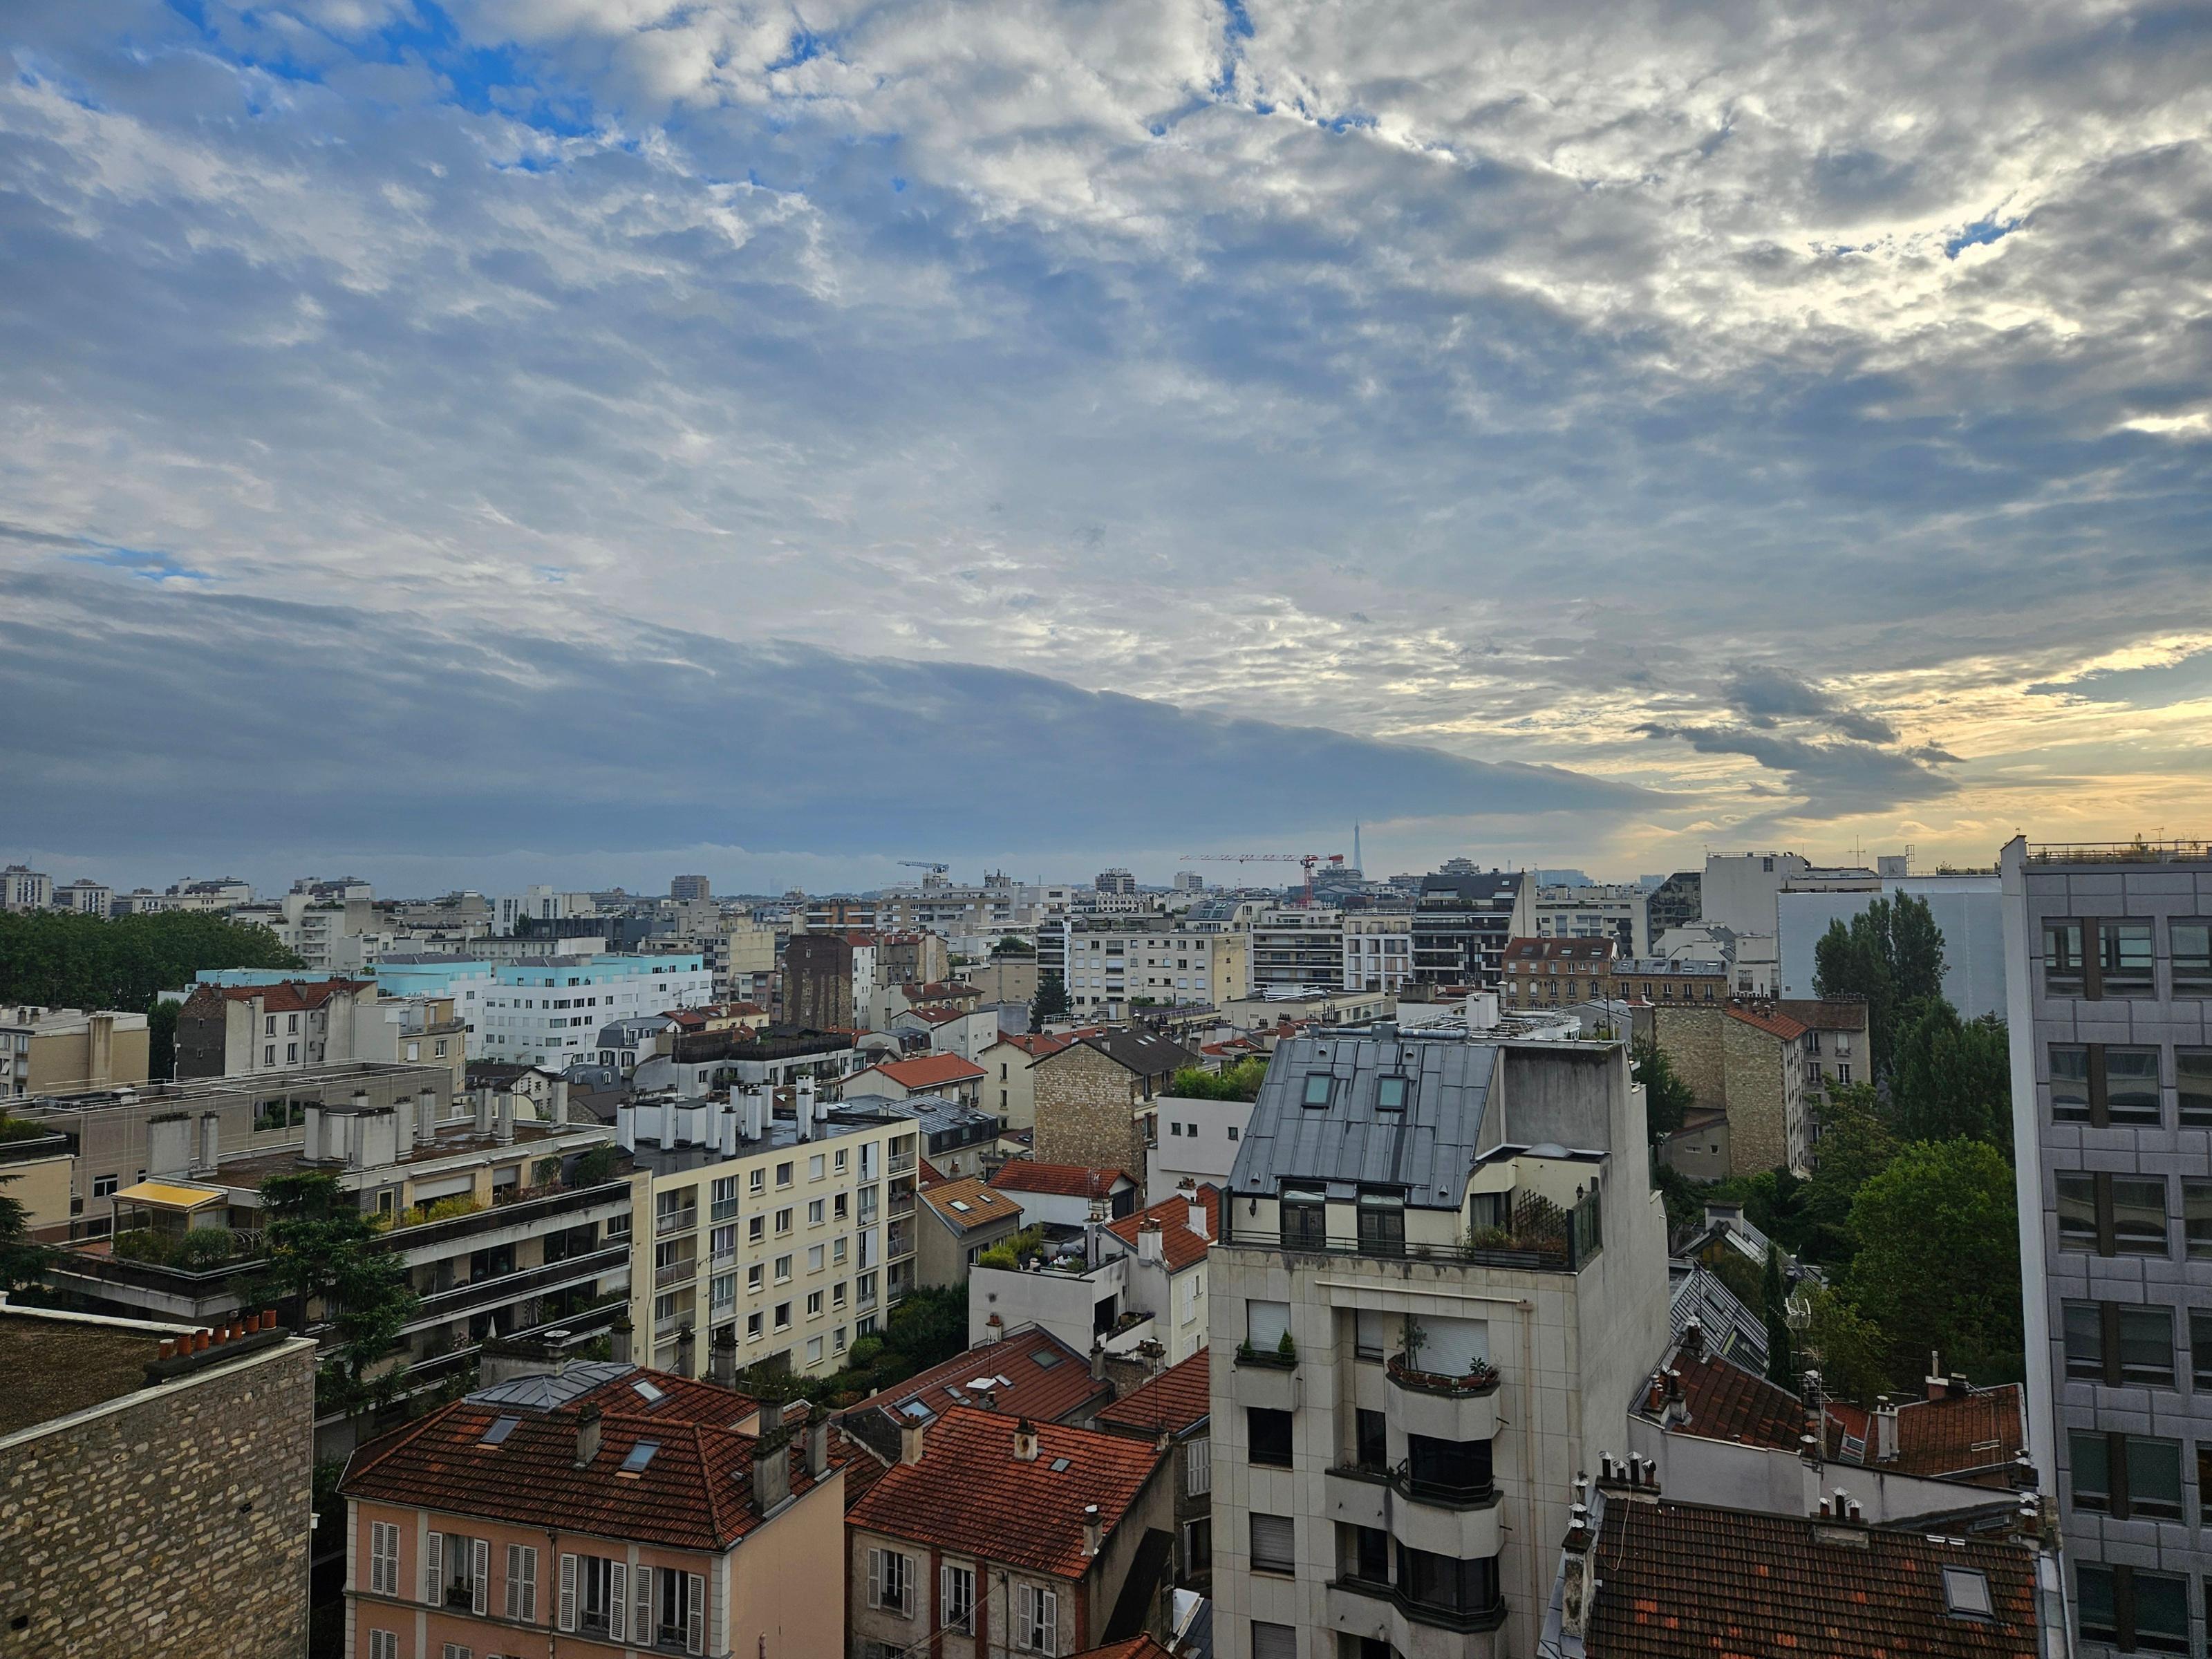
(923, 1071)
(1137, 1647)
(970, 1203)
(1180, 1246)
(1023, 1175)
(1045, 1380)
(1177, 1400)
(1036, 1044)
(1687, 1581)
(1984, 1429)
(1773, 1023)
(1727, 1402)
(971, 1494)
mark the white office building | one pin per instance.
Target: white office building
(549, 1013)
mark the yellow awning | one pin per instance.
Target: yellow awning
(173, 1196)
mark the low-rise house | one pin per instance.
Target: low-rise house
(950, 1027)
(1552, 973)
(226, 1030)
(958, 1139)
(1173, 1411)
(1026, 1372)
(993, 1536)
(924, 1074)
(1009, 1090)
(602, 1508)
(960, 1220)
(1094, 1097)
(1064, 1195)
(1747, 1061)
(1198, 1142)
(1167, 1247)
(160, 1486)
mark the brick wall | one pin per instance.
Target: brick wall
(1086, 1112)
(1758, 1130)
(175, 1522)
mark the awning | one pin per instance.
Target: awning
(173, 1196)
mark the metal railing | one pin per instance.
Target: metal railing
(676, 1221)
(901, 1163)
(507, 1287)
(676, 1273)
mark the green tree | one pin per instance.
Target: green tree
(1781, 1363)
(22, 1260)
(1667, 1097)
(63, 958)
(1847, 1348)
(928, 1327)
(327, 1261)
(1855, 1143)
(162, 1039)
(1014, 944)
(1952, 1078)
(1938, 1262)
(1050, 1001)
(1891, 955)
(1241, 1081)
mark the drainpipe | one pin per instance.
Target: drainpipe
(1536, 1602)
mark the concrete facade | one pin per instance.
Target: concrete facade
(1969, 908)
(51, 1050)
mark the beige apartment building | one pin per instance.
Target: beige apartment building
(53, 1050)
(1116, 964)
(773, 1240)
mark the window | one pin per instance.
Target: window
(1267, 1433)
(1371, 1441)
(2112, 1215)
(2132, 1608)
(2128, 1476)
(782, 1222)
(783, 1270)
(891, 1582)
(1318, 1085)
(522, 1583)
(814, 1304)
(1266, 1324)
(1364, 1553)
(269, 1054)
(1447, 1584)
(2124, 959)
(1966, 1593)
(1390, 1094)
(677, 1602)
(1197, 1547)
(724, 1291)
(1198, 1468)
(725, 1241)
(291, 1054)
(1305, 1219)
(1372, 1331)
(753, 1277)
(815, 1213)
(1842, 1071)
(1274, 1641)
(2069, 1082)
(783, 1315)
(755, 1228)
(383, 1644)
(956, 1593)
(1036, 1619)
(2064, 973)
(455, 1569)
(2192, 1082)
(2131, 1085)
(1447, 1468)
(783, 1175)
(1274, 1543)
(2197, 1217)
(752, 1327)
(2191, 943)
(105, 1186)
(2118, 1343)
(383, 1559)
(1381, 1223)
(756, 1182)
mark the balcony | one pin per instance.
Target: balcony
(898, 1240)
(676, 1221)
(1463, 1524)
(901, 1202)
(443, 1306)
(507, 1218)
(1266, 1379)
(680, 1272)
(1414, 1624)
(902, 1162)
(726, 1209)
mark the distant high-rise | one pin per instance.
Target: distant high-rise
(1115, 881)
(681, 888)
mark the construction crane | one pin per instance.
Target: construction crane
(936, 872)
(1306, 861)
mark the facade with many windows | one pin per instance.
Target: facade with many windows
(2109, 985)
(549, 1011)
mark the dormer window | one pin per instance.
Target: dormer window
(1390, 1094)
(1318, 1084)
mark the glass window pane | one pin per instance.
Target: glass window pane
(1318, 1086)
(1266, 1323)
(2061, 958)
(2092, 1591)
(2193, 958)
(2089, 1478)
(2200, 1347)
(2069, 1082)
(2154, 1476)
(2078, 1211)
(2161, 1612)
(2146, 1345)
(2197, 1216)
(2124, 956)
(2132, 1085)
(2139, 1217)
(2192, 1078)
(2085, 1340)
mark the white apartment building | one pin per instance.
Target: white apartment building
(1114, 964)
(538, 903)
(88, 898)
(549, 1011)
(774, 1240)
(24, 888)
(1296, 948)
(1378, 950)
(1616, 913)
(1440, 1273)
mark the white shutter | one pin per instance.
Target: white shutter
(643, 1608)
(1201, 1466)
(875, 1578)
(944, 1597)
(695, 1615)
(567, 1619)
(1048, 1637)
(434, 1567)
(617, 1603)
(479, 1575)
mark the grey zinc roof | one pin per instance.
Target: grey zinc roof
(543, 1391)
(1428, 1148)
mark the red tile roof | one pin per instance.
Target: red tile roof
(1036, 1044)
(289, 996)
(696, 1493)
(1180, 1246)
(971, 1493)
(938, 1016)
(922, 1072)
(977, 1204)
(1023, 1175)
(1985, 1429)
(1767, 1020)
(1045, 1380)
(1688, 1580)
(1729, 1403)
(1177, 1400)
(1137, 1647)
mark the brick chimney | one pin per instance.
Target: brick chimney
(771, 1469)
(722, 1356)
(1938, 1383)
(1025, 1441)
(687, 1351)
(1693, 1338)
(1885, 1430)
(1196, 1220)
(1149, 1233)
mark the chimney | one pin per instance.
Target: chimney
(312, 1150)
(100, 1050)
(210, 1142)
(560, 1100)
(687, 1351)
(426, 1117)
(503, 1126)
(1148, 1240)
(622, 1331)
(483, 1111)
(1196, 1220)
(818, 1445)
(1936, 1383)
(772, 1470)
(806, 1109)
(1956, 1388)
(1693, 1338)
(588, 1436)
(727, 1126)
(756, 1113)
(1094, 1529)
(722, 1356)
(169, 1143)
(994, 1329)
(1885, 1430)
(1678, 1404)
(403, 1108)
(1655, 1395)
(910, 1446)
(1574, 1573)
(1098, 1362)
(626, 1126)
(1025, 1441)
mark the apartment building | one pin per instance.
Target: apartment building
(1378, 950)
(991, 1536)
(961, 1218)
(1968, 908)
(1440, 1271)
(52, 1050)
(1008, 1088)
(1094, 1097)
(1175, 1406)
(601, 1507)
(1747, 1062)
(85, 898)
(1462, 922)
(159, 1487)
(776, 1240)
(1557, 973)
(245, 1031)
(2108, 974)
(740, 957)
(1113, 965)
(1616, 912)
(548, 1011)
(1653, 980)
(1674, 902)
(1296, 949)
(25, 889)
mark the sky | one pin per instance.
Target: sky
(576, 440)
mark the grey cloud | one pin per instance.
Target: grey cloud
(1836, 776)
(1764, 694)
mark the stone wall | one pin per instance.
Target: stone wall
(173, 1521)
(1759, 1136)
(1086, 1112)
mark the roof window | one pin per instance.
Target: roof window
(648, 1392)
(1390, 1094)
(1966, 1593)
(499, 1431)
(640, 1455)
(1318, 1084)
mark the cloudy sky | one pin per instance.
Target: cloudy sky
(518, 440)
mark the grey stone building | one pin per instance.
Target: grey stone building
(2108, 977)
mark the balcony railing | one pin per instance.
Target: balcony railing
(425, 1234)
(676, 1273)
(1429, 1613)
(676, 1221)
(1478, 1379)
(902, 1203)
(509, 1287)
(726, 1209)
(901, 1163)
(898, 1240)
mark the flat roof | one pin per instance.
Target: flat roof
(57, 1366)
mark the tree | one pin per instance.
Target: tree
(22, 1260)
(1014, 944)
(1050, 1001)
(1781, 1363)
(1239, 1082)
(1667, 1097)
(1890, 955)
(1938, 1261)
(326, 1259)
(64, 959)
(162, 1039)
(928, 1327)
(1856, 1143)
(1952, 1078)
(1847, 1348)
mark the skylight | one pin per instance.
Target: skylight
(499, 1431)
(1044, 1358)
(1059, 1466)
(640, 1455)
(1390, 1094)
(915, 1409)
(1967, 1593)
(648, 1392)
(960, 1206)
(1318, 1088)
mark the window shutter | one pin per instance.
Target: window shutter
(480, 1575)
(642, 1607)
(434, 1567)
(1274, 1541)
(944, 1597)
(567, 1619)
(1274, 1641)
(694, 1620)
(1048, 1639)
(617, 1603)
(875, 1578)
(1201, 1453)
